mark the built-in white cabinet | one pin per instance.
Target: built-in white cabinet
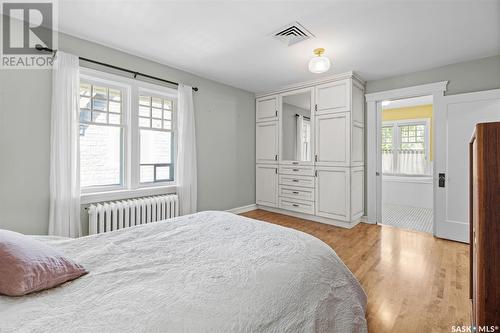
(266, 185)
(267, 142)
(333, 139)
(266, 108)
(333, 97)
(310, 150)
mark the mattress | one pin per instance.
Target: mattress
(205, 272)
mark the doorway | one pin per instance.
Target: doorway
(406, 155)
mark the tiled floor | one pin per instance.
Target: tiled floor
(406, 217)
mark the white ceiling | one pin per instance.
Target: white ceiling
(230, 42)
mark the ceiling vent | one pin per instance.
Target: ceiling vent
(292, 33)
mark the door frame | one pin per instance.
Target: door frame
(373, 138)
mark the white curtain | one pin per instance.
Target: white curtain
(298, 138)
(186, 152)
(64, 214)
(413, 162)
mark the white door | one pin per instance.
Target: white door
(455, 119)
(332, 139)
(267, 185)
(332, 193)
(333, 97)
(266, 137)
(266, 108)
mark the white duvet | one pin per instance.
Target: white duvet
(206, 272)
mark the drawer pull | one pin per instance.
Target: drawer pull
(295, 170)
(295, 192)
(295, 205)
(295, 180)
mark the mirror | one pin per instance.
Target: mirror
(296, 126)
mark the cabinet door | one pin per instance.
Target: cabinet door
(266, 137)
(267, 185)
(332, 133)
(332, 193)
(266, 108)
(333, 97)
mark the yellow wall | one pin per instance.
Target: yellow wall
(414, 112)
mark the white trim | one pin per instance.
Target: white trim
(407, 179)
(314, 218)
(407, 92)
(374, 122)
(88, 198)
(242, 209)
(308, 84)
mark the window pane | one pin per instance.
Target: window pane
(85, 89)
(145, 100)
(115, 95)
(156, 102)
(163, 173)
(100, 92)
(167, 115)
(147, 173)
(155, 147)
(144, 111)
(167, 104)
(144, 122)
(156, 113)
(115, 107)
(100, 155)
(84, 102)
(85, 116)
(115, 119)
(99, 104)
(156, 123)
(100, 117)
(167, 125)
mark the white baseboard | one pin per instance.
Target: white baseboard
(242, 209)
(455, 231)
(337, 223)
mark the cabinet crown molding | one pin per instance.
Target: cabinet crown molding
(305, 84)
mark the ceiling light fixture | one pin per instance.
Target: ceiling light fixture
(320, 63)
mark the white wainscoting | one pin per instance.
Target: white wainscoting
(407, 191)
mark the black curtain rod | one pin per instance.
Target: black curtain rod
(305, 117)
(41, 48)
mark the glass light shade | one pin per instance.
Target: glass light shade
(319, 64)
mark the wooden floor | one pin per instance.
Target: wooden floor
(414, 281)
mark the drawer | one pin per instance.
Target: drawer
(297, 170)
(297, 193)
(297, 205)
(302, 181)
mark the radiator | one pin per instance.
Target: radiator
(108, 216)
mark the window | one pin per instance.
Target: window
(405, 147)
(101, 136)
(155, 126)
(127, 133)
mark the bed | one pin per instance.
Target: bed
(206, 272)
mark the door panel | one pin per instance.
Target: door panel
(266, 137)
(267, 109)
(333, 97)
(267, 185)
(455, 119)
(332, 193)
(332, 139)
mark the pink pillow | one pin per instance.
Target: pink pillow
(27, 265)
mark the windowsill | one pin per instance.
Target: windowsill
(407, 179)
(87, 198)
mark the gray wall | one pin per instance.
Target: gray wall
(475, 75)
(225, 129)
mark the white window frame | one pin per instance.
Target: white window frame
(131, 186)
(396, 139)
